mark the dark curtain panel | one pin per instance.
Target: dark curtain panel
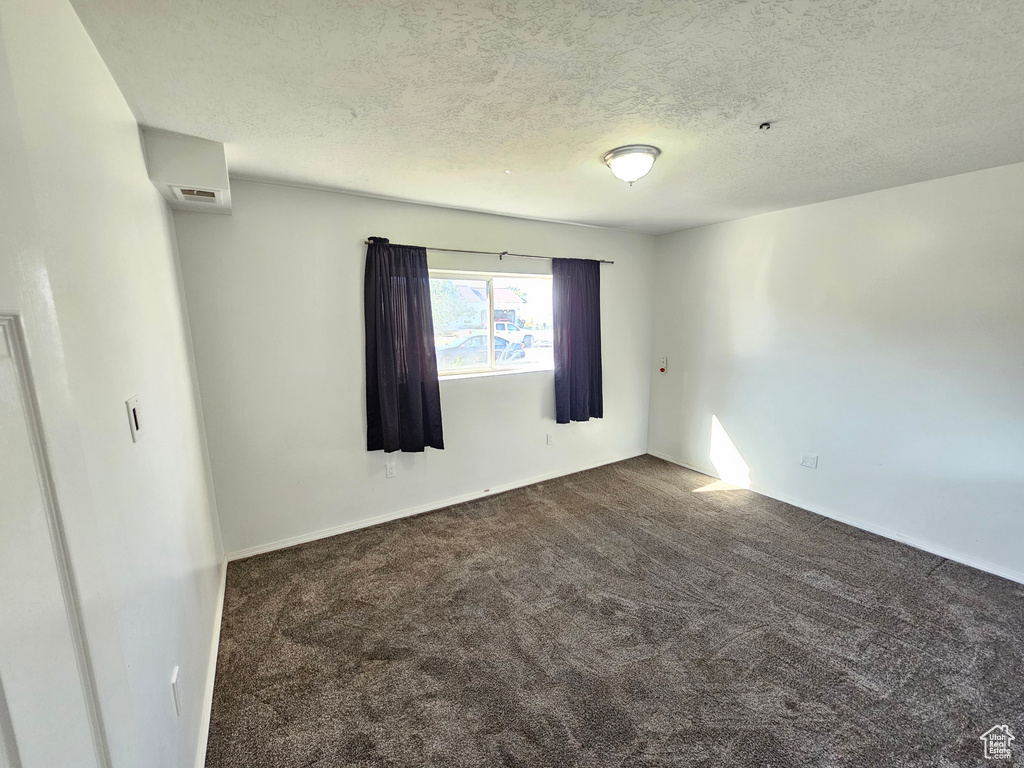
(577, 305)
(403, 400)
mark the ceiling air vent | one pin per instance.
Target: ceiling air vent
(191, 173)
(189, 195)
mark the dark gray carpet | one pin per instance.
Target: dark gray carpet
(614, 618)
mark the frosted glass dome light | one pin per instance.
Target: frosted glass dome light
(631, 162)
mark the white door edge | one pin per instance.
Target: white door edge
(14, 340)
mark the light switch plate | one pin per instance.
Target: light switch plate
(134, 419)
(174, 692)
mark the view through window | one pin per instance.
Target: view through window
(485, 322)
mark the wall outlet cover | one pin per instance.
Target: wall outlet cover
(809, 460)
(389, 469)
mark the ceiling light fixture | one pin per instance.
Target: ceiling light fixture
(631, 162)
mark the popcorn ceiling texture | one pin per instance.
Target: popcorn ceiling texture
(431, 101)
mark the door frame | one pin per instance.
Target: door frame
(12, 331)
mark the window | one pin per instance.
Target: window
(491, 322)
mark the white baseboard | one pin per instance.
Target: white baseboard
(409, 511)
(681, 463)
(888, 533)
(211, 670)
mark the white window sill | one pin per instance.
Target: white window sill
(490, 374)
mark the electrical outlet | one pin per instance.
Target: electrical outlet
(551, 439)
(175, 693)
(809, 460)
(389, 469)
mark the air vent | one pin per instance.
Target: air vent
(196, 195)
(199, 193)
(191, 173)
(194, 198)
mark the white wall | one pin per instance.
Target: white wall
(87, 259)
(884, 332)
(276, 307)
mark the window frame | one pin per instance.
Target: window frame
(487, 277)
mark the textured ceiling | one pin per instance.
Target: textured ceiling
(431, 101)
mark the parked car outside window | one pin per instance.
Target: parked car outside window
(471, 352)
(514, 332)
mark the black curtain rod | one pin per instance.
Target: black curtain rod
(499, 254)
